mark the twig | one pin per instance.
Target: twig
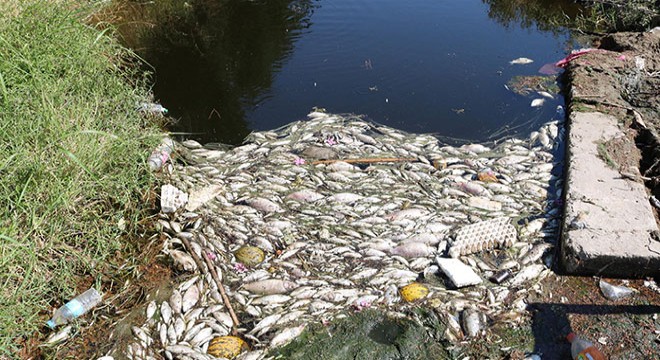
(638, 117)
(365, 160)
(218, 283)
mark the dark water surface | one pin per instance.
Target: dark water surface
(225, 68)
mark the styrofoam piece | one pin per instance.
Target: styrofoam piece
(458, 273)
(171, 198)
(484, 235)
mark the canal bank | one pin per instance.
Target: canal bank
(610, 224)
(501, 340)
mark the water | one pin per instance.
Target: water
(225, 68)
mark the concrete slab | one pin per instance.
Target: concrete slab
(609, 228)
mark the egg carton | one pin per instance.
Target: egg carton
(481, 236)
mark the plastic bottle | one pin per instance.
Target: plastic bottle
(152, 108)
(159, 156)
(583, 349)
(75, 308)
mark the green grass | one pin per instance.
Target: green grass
(604, 154)
(617, 15)
(72, 161)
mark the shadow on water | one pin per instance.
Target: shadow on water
(551, 323)
(212, 58)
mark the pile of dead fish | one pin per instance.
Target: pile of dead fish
(340, 214)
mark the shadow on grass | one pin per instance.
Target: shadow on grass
(551, 323)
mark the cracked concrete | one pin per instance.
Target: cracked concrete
(609, 228)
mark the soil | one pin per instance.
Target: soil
(129, 285)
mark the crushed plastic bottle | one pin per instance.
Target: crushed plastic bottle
(614, 292)
(582, 349)
(153, 108)
(77, 307)
(159, 157)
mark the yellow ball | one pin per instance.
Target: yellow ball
(414, 291)
(227, 346)
(249, 255)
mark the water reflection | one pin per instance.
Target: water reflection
(213, 58)
(228, 67)
(545, 15)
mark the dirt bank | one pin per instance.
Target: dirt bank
(622, 78)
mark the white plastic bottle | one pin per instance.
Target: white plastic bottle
(75, 308)
(153, 108)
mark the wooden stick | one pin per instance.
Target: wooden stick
(218, 283)
(364, 160)
(225, 298)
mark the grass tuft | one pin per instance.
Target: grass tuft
(72, 160)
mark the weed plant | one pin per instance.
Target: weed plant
(618, 15)
(72, 161)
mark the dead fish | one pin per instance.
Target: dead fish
(316, 152)
(264, 205)
(190, 298)
(537, 102)
(527, 273)
(521, 61)
(409, 213)
(475, 148)
(151, 309)
(472, 188)
(183, 261)
(412, 250)
(305, 196)
(166, 312)
(270, 286)
(202, 196)
(176, 301)
(345, 198)
(545, 94)
(341, 166)
(472, 323)
(535, 253)
(286, 335)
(265, 323)
(271, 299)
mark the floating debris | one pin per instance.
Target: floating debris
(521, 61)
(227, 346)
(537, 102)
(249, 255)
(484, 235)
(414, 291)
(501, 276)
(458, 273)
(314, 238)
(171, 198)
